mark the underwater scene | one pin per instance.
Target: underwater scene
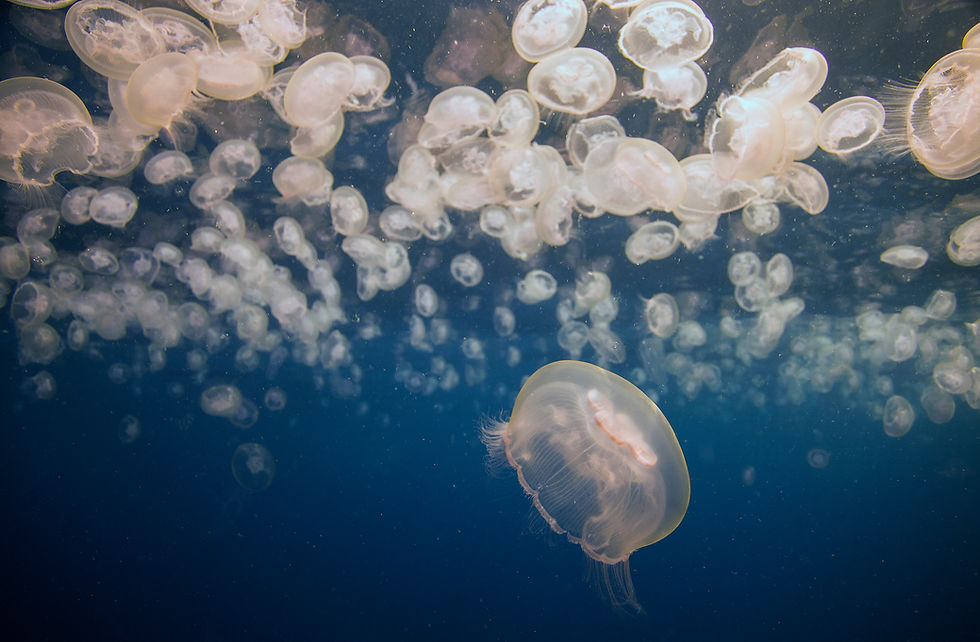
(490, 319)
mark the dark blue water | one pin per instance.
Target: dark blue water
(383, 520)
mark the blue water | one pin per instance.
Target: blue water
(383, 520)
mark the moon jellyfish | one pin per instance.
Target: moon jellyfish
(572, 81)
(909, 257)
(318, 89)
(160, 89)
(542, 27)
(466, 269)
(666, 33)
(44, 129)
(942, 122)
(898, 416)
(536, 286)
(129, 429)
(662, 315)
(111, 37)
(850, 124)
(653, 241)
(221, 400)
(818, 458)
(600, 462)
(275, 399)
(253, 466)
(964, 243)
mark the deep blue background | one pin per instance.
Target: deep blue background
(383, 521)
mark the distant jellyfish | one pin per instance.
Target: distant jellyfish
(129, 429)
(963, 247)
(600, 461)
(41, 387)
(662, 315)
(898, 416)
(275, 399)
(221, 400)
(466, 269)
(909, 257)
(253, 466)
(818, 458)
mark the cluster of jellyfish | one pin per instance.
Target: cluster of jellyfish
(521, 168)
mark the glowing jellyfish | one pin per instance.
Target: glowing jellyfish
(44, 129)
(111, 37)
(747, 138)
(789, 80)
(599, 461)
(318, 89)
(466, 269)
(113, 206)
(535, 287)
(230, 73)
(743, 267)
(652, 242)
(666, 33)
(676, 87)
(542, 27)
(898, 416)
(662, 315)
(181, 32)
(160, 89)
(850, 124)
(229, 12)
(628, 175)
(221, 400)
(572, 81)
(942, 121)
(963, 247)
(938, 404)
(253, 467)
(167, 166)
(909, 257)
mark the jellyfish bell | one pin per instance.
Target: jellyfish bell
(44, 129)
(253, 467)
(942, 120)
(572, 81)
(600, 462)
(160, 89)
(665, 34)
(111, 37)
(542, 27)
(850, 124)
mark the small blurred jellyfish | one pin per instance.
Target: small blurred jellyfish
(275, 399)
(41, 386)
(818, 458)
(129, 429)
(253, 467)
(748, 476)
